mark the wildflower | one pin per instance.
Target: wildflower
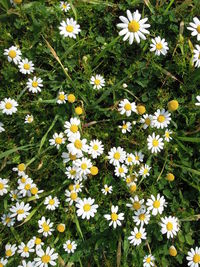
(196, 57)
(116, 156)
(10, 250)
(141, 217)
(26, 66)
(136, 203)
(37, 242)
(57, 140)
(86, 209)
(137, 235)
(107, 189)
(114, 218)
(170, 226)
(76, 145)
(69, 28)
(45, 226)
(51, 203)
(129, 159)
(159, 46)
(156, 205)
(20, 169)
(14, 54)
(195, 28)
(25, 249)
(140, 109)
(34, 85)
(72, 126)
(78, 110)
(97, 81)
(161, 119)
(172, 105)
(96, 148)
(144, 170)
(64, 6)
(83, 166)
(72, 196)
(148, 261)
(167, 135)
(28, 119)
(8, 106)
(20, 210)
(126, 127)
(126, 107)
(69, 246)
(62, 98)
(121, 170)
(146, 120)
(3, 262)
(193, 257)
(61, 227)
(7, 220)
(155, 143)
(138, 158)
(71, 98)
(170, 177)
(172, 251)
(3, 186)
(46, 257)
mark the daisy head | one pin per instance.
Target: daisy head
(28, 119)
(13, 54)
(126, 107)
(156, 205)
(62, 98)
(69, 28)
(71, 196)
(155, 143)
(107, 189)
(72, 126)
(146, 120)
(116, 155)
(97, 81)
(121, 170)
(45, 226)
(64, 6)
(8, 106)
(44, 258)
(69, 246)
(115, 218)
(137, 235)
(10, 250)
(26, 66)
(96, 148)
(144, 170)
(141, 217)
(77, 145)
(195, 28)
(149, 261)
(136, 204)
(34, 85)
(196, 56)
(161, 119)
(7, 220)
(20, 211)
(193, 257)
(126, 127)
(57, 140)
(86, 208)
(169, 226)
(51, 203)
(3, 186)
(167, 135)
(159, 46)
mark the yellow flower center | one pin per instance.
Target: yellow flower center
(167, 134)
(196, 258)
(94, 170)
(46, 258)
(72, 157)
(148, 260)
(61, 228)
(38, 241)
(8, 105)
(34, 84)
(61, 97)
(124, 126)
(117, 155)
(26, 249)
(138, 235)
(12, 53)
(129, 159)
(30, 119)
(96, 82)
(133, 26)
(136, 205)
(78, 144)
(1, 186)
(87, 207)
(155, 143)
(159, 46)
(106, 189)
(58, 140)
(27, 187)
(51, 202)
(34, 190)
(64, 6)
(141, 109)
(133, 188)
(74, 128)
(198, 28)
(161, 118)
(26, 66)
(77, 186)
(127, 106)
(142, 217)
(8, 252)
(45, 227)
(14, 196)
(137, 158)
(1, 265)
(21, 167)
(8, 220)
(145, 171)
(95, 147)
(169, 226)
(78, 110)
(156, 204)
(173, 105)
(71, 187)
(20, 211)
(83, 166)
(147, 121)
(73, 195)
(69, 246)
(73, 172)
(71, 98)
(128, 180)
(23, 180)
(121, 170)
(114, 216)
(69, 28)
(170, 177)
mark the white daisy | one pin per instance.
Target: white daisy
(193, 257)
(68, 157)
(46, 258)
(37, 242)
(24, 188)
(86, 208)
(3, 186)
(121, 170)
(198, 99)
(116, 156)
(20, 169)
(72, 126)
(28, 119)
(114, 218)
(25, 66)
(72, 196)
(69, 28)
(61, 98)
(26, 264)
(136, 204)
(195, 28)
(138, 157)
(146, 120)
(155, 143)
(97, 81)
(137, 235)
(8, 106)
(34, 85)
(159, 46)
(72, 173)
(45, 226)
(144, 170)
(156, 205)
(129, 159)
(107, 189)
(20, 210)
(25, 249)
(14, 54)
(57, 140)
(83, 166)
(126, 107)
(23, 179)
(64, 6)
(35, 191)
(76, 145)
(196, 56)
(141, 217)
(78, 186)
(51, 203)
(161, 119)
(96, 148)
(133, 27)
(167, 136)
(3, 262)
(148, 261)
(69, 246)
(131, 178)
(7, 220)
(10, 250)
(15, 195)
(170, 226)
(2, 129)
(126, 127)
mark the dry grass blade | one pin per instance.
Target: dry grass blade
(119, 251)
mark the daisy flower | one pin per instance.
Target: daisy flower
(15, 195)
(159, 46)
(126, 107)
(45, 226)
(24, 188)
(129, 159)
(26, 264)
(161, 119)
(20, 169)
(78, 186)
(13, 54)
(61, 98)
(136, 204)
(76, 145)
(141, 217)
(72, 126)
(25, 249)
(196, 57)
(20, 210)
(156, 205)
(26, 66)
(69, 246)
(7, 220)
(167, 136)
(195, 28)
(72, 173)
(121, 170)
(97, 81)
(3, 186)
(133, 27)
(86, 208)
(148, 261)
(114, 218)
(34, 85)
(69, 28)
(107, 189)
(3, 262)
(64, 6)
(197, 104)
(138, 157)
(37, 242)
(170, 226)
(193, 257)
(8, 106)
(155, 143)
(23, 179)
(51, 203)
(83, 166)
(10, 250)
(144, 170)
(72, 196)
(57, 140)
(35, 191)
(146, 120)
(46, 258)
(28, 119)
(69, 157)
(116, 156)
(1, 127)
(96, 148)
(137, 235)
(126, 127)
